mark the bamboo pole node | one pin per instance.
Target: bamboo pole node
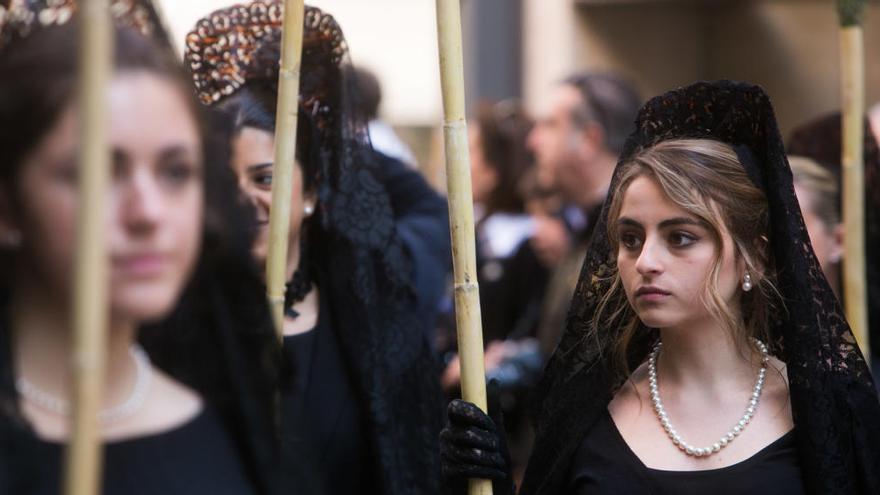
(467, 287)
(455, 125)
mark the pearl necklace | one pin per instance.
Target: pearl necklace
(60, 407)
(727, 438)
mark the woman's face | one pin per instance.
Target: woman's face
(664, 257)
(153, 210)
(253, 154)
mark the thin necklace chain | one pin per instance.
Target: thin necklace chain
(60, 407)
(734, 432)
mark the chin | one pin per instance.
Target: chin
(658, 318)
(145, 304)
(259, 253)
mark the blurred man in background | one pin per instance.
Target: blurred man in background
(576, 143)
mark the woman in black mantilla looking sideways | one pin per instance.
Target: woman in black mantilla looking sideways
(705, 351)
(368, 237)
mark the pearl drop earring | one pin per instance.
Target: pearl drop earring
(309, 209)
(747, 282)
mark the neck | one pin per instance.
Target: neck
(43, 343)
(706, 357)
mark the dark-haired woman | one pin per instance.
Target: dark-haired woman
(705, 350)
(188, 409)
(361, 408)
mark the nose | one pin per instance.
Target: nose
(143, 203)
(650, 260)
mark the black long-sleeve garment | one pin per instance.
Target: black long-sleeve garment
(371, 408)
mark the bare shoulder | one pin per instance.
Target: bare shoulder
(631, 397)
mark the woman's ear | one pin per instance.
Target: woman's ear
(755, 266)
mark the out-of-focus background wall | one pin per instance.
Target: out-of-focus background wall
(520, 48)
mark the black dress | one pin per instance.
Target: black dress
(604, 464)
(324, 437)
(196, 457)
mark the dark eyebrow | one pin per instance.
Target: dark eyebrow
(671, 222)
(175, 152)
(259, 167)
(628, 221)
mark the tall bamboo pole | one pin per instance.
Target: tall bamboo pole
(285, 155)
(461, 214)
(83, 457)
(852, 78)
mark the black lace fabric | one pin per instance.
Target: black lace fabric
(351, 237)
(834, 403)
(821, 140)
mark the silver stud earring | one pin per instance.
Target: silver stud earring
(309, 209)
(747, 282)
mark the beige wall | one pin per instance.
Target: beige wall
(792, 49)
(788, 46)
(395, 38)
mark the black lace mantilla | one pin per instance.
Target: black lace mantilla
(834, 404)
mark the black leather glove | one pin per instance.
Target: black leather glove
(473, 445)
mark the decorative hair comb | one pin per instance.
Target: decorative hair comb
(18, 18)
(222, 51)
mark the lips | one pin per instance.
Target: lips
(651, 293)
(141, 265)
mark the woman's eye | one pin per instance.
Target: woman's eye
(68, 172)
(178, 173)
(630, 241)
(682, 239)
(264, 180)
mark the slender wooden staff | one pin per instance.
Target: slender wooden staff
(285, 155)
(83, 456)
(852, 72)
(461, 214)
